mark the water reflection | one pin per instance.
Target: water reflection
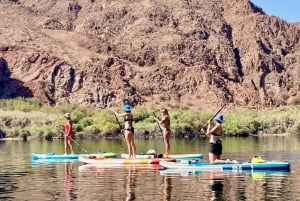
(7, 186)
(22, 179)
(68, 182)
(167, 188)
(130, 183)
(216, 185)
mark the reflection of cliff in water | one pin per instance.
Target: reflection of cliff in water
(11, 88)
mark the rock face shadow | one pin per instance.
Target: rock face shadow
(11, 88)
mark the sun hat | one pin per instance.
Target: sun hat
(67, 115)
(219, 118)
(126, 108)
(164, 110)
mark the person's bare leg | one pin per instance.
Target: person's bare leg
(128, 145)
(71, 146)
(167, 144)
(65, 143)
(133, 148)
(212, 157)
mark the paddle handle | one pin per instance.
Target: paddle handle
(213, 117)
(202, 129)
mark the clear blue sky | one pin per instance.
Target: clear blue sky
(288, 10)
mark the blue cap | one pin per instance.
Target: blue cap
(219, 118)
(126, 108)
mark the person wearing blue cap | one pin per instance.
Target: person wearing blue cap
(128, 130)
(215, 133)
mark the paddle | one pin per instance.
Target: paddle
(79, 145)
(202, 129)
(158, 124)
(120, 126)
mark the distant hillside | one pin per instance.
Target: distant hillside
(172, 53)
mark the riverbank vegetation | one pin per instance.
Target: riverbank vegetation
(27, 117)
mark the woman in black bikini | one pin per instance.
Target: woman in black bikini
(129, 130)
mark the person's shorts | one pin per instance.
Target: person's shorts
(216, 148)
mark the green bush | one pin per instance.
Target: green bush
(43, 120)
(85, 122)
(22, 104)
(140, 114)
(105, 122)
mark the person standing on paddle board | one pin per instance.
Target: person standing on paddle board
(68, 133)
(214, 134)
(165, 123)
(128, 130)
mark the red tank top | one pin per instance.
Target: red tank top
(68, 129)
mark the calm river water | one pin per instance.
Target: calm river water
(24, 179)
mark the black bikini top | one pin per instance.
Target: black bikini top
(127, 119)
(215, 134)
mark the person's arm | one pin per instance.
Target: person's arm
(164, 118)
(208, 128)
(118, 115)
(211, 131)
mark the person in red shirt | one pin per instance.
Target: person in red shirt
(68, 133)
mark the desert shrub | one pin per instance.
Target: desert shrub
(77, 115)
(14, 132)
(85, 122)
(77, 128)
(295, 101)
(105, 122)
(92, 129)
(146, 125)
(21, 104)
(39, 132)
(47, 131)
(140, 113)
(186, 122)
(240, 124)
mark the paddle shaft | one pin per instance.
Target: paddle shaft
(118, 122)
(79, 145)
(202, 129)
(121, 129)
(158, 124)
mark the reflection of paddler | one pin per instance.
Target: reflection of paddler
(167, 188)
(130, 185)
(216, 185)
(68, 180)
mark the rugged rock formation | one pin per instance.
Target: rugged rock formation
(190, 53)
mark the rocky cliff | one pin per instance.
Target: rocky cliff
(188, 53)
